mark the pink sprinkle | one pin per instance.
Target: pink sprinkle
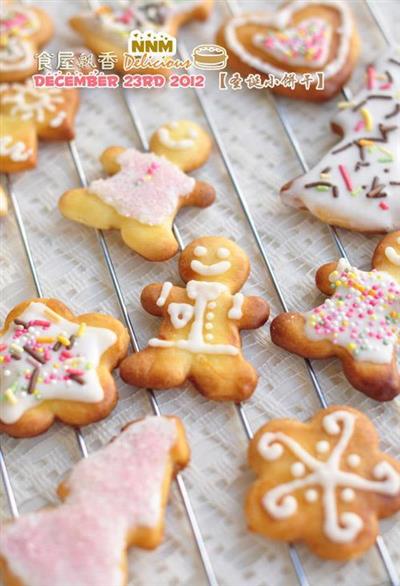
(359, 126)
(3, 347)
(385, 86)
(346, 177)
(371, 73)
(383, 205)
(39, 322)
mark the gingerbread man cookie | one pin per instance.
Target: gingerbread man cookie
(299, 40)
(113, 500)
(23, 29)
(108, 28)
(199, 338)
(357, 184)
(182, 142)
(54, 365)
(324, 482)
(359, 323)
(30, 114)
(141, 199)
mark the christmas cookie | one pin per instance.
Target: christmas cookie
(357, 184)
(113, 500)
(3, 203)
(182, 142)
(141, 199)
(302, 38)
(324, 482)
(107, 29)
(359, 323)
(199, 337)
(387, 255)
(54, 365)
(23, 29)
(31, 114)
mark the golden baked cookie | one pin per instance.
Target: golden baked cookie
(387, 255)
(324, 482)
(297, 41)
(3, 202)
(141, 199)
(55, 365)
(107, 30)
(199, 337)
(23, 30)
(113, 500)
(182, 142)
(359, 324)
(357, 184)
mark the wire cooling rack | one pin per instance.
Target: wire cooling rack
(210, 569)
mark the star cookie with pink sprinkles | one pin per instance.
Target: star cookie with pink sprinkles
(359, 323)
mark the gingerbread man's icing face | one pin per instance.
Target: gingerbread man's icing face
(357, 184)
(215, 259)
(324, 482)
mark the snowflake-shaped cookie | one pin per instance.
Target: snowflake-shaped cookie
(324, 482)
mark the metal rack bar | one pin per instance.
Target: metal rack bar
(239, 406)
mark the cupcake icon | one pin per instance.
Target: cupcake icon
(209, 57)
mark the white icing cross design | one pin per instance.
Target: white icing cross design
(29, 103)
(310, 472)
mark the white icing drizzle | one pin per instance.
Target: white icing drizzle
(16, 151)
(58, 119)
(311, 495)
(29, 103)
(235, 311)
(217, 268)
(16, 55)
(223, 252)
(53, 381)
(280, 501)
(166, 139)
(281, 20)
(202, 292)
(392, 255)
(165, 291)
(322, 447)
(353, 460)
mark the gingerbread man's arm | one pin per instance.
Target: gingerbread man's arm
(255, 312)
(156, 297)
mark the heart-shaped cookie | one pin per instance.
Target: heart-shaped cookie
(303, 38)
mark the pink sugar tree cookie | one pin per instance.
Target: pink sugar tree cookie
(114, 499)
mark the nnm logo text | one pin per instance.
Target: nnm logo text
(157, 44)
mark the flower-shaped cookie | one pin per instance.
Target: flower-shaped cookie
(141, 199)
(299, 40)
(23, 29)
(29, 114)
(113, 500)
(324, 482)
(359, 323)
(199, 337)
(54, 365)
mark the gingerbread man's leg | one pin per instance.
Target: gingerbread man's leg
(155, 243)
(158, 368)
(223, 378)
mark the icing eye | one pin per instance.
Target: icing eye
(200, 251)
(223, 252)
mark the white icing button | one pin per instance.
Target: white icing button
(322, 447)
(200, 251)
(298, 469)
(353, 460)
(311, 495)
(212, 305)
(223, 252)
(347, 495)
(209, 337)
(210, 315)
(209, 326)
